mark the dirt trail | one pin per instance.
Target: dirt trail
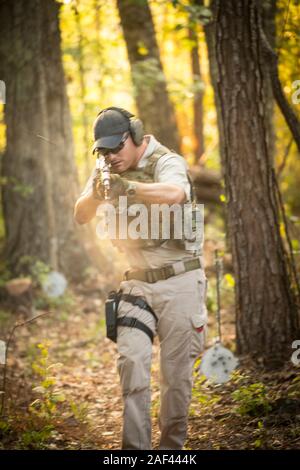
(90, 417)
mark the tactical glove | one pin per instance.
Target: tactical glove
(118, 186)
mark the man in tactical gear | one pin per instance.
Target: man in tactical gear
(163, 292)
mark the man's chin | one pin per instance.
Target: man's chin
(119, 168)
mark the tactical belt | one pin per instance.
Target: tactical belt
(133, 322)
(160, 274)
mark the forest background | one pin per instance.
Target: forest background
(162, 60)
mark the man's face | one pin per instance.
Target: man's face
(124, 158)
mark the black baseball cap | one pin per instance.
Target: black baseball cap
(110, 127)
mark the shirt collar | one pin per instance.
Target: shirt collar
(151, 147)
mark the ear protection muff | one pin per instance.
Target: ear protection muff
(136, 127)
(136, 130)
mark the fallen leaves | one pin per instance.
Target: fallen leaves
(89, 380)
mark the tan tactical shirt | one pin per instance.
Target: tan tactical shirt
(170, 168)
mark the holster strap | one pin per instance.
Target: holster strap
(139, 301)
(135, 323)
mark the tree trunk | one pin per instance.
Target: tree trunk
(152, 100)
(198, 97)
(267, 317)
(38, 164)
(278, 92)
(268, 19)
(82, 81)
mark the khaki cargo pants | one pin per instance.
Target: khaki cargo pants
(179, 304)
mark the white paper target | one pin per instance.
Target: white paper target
(55, 284)
(2, 352)
(218, 363)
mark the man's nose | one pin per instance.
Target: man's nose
(112, 157)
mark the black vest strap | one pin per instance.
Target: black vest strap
(135, 323)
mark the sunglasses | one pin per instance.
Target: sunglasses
(106, 151)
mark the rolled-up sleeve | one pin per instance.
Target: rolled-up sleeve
(173, 169)
(88, 189)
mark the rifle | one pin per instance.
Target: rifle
(103, 172)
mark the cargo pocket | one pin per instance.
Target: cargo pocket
(199, 312)
(198, 342)
(199, 316)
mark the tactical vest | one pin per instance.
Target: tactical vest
(146, 175)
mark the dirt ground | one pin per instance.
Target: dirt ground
(72, 381)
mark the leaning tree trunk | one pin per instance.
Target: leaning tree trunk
(198, 96)
(267, 321)
(38, 164)
(152, 100)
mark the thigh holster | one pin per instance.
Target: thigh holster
(111, 314)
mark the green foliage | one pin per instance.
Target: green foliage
(294, 388)
(197, 13)
(147, 74)
(287, 155)
(38, 426)
(17, 186)
(238, 378)
(45, 407)
(36, 439)
(5, 428)
(181, 91)
(39, 271)
(260, 432)
(80, 411)
(252, 400)
(64, 303)
(5, 318)
(105, 71)
(36, 268)
(204, 399)
(211, 297)
(5, 275)
(155, 404)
